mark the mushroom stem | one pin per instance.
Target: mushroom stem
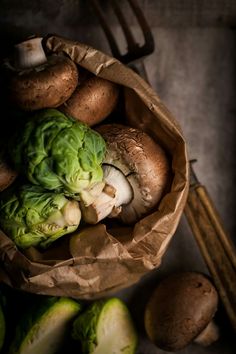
(117, 192)
(71, 213)
(87, 196)
(99, 209)
(209, 335)
(115, 177)
(29, 53)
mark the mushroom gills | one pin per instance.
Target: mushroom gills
(117, 192)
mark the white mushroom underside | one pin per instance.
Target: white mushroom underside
(144, 164)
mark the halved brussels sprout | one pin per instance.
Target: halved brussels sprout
(32, 216)
(42, 330)
(105, 327)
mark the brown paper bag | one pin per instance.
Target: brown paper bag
(107, 258)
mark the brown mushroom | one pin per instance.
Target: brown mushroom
(7, 175)
(37, 81)
(136, 172)
(92, 101)
(180, 311)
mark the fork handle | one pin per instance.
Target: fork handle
(216, 247)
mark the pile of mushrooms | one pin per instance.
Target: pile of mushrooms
(136, 169)
(37, 81)
(181, 311)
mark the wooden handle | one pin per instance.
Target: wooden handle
(216, 247)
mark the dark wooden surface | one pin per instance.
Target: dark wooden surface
(193, 71)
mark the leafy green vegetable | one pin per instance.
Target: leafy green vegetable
(105, 327)
(33, 217)
(58, 153)
(42, 331)
(2, 325)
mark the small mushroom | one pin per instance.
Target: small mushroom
(37, 81)
(92, 101)
(7, 175)
(136, 172)
(181, 310)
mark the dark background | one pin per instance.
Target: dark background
(193, 71)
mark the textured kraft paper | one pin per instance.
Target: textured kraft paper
(106, 258)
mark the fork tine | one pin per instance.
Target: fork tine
(135, 50)
(132, 44)
(149, 40)
(108, 32)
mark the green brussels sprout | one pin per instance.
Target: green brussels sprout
(32, 216)
(58, 153)
(2, 325)
(105, 327)
(43, 329)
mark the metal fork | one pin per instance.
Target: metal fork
(216, 247)
(134, 49)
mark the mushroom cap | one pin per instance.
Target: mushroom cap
(46, 85)
(92, 101)
(179, 309)
(7, 175)
(142, 161)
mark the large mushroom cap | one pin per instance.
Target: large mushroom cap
(142, 161)
(179, 309)
(92, 101)
(43, 86)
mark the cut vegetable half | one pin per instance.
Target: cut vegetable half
(106, 327)
(46, 333)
